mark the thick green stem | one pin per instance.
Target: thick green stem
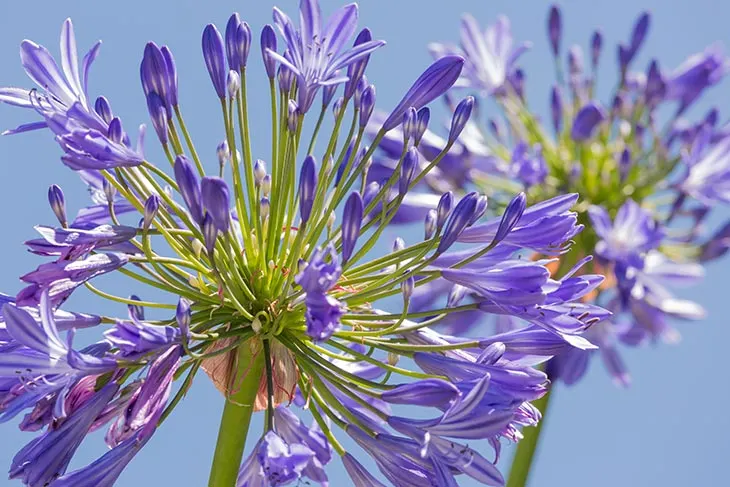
(236, 416)
(522, 462)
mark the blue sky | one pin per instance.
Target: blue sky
(668, 429)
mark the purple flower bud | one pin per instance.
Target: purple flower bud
(115, 132)
(655, 86)
(434, 82)
(171, 76)
(462, 113)
(627, 54)
(158, 115)
(292, 116)
(426, 392)
(575, 61)
(151, 206)
(596, 44)
(259, 171)
(223, 152)
(187, 182)
(624, 164)
(410, 124)
(407, 287)
(136, 312)
(210, 234)
(286, 79)
(307, 187)
(511, 216)
(407, 168)
(424, 115)
(586, 121)
(356, 70)
(480, 209)
(233, 83)
(443, 210)
(244, 42)
(367, 104)
(359, 88)
(641, 27)
(371, 190)
(109, 190)
(103, 109)
(216, 201)
(351, 221)
(58, 204)
(214, 54)
(554, 29)
(153, 72)
(337, 107)
(232, 51)
(429, 224)
(264, 208)
(266, 184)
(183, 316)
(556, 109)
(328, 93)
(268, 41)
(398, 244)
(459, 220)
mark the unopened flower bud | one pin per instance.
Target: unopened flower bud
(429, 224)
(233, 83)
(151, 206)
(58, 204)
(266, 185)
(264, 208)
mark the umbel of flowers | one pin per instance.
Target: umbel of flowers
(647, 175)
(273, 279)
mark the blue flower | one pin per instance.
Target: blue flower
(315, 53)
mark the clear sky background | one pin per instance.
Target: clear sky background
(670, 428)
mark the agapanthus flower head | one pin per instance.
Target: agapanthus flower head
(277, 286)
(616, 155)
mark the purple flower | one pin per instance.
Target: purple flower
(632, 233)
(316, 53)
(147, 404)
(490, 54)
(707, 175)
(45, 458)
(700, 71)
(135, 338)
(282, 462)
(71, 243)
(63, 277)
(291, 429)
(317, 277)
(544, 227)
